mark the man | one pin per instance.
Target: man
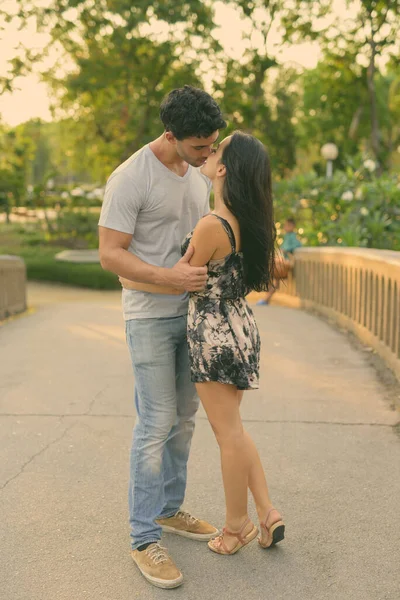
(151, 202)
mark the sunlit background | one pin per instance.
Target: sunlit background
(30, 99)
(81, 83)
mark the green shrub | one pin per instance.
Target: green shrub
(46, 268)
(41, 264)
(351, 209)
(73, 228)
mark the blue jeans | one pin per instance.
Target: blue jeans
(166, 404)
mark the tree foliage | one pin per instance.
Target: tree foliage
(122, 57)
(16, 154)
(349, 92)
(120, 70)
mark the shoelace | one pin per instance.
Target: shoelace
(156, 553)
(190, 520)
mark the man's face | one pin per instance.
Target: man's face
(194, 150)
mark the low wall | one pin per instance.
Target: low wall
(12, 286)
(357, 287)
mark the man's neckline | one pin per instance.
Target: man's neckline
(168, 170)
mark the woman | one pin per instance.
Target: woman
(237, 242)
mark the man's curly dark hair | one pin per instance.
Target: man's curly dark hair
(190, 112)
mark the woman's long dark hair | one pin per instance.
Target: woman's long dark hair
(248, 195)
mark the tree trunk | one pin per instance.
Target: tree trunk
(355, 123)
(390, 148)
(375, 133)
(49, 225)
(133, 146)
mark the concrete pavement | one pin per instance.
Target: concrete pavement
(320, 420)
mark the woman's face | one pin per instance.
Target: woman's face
(213, 166)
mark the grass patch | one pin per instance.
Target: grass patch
(41, 264)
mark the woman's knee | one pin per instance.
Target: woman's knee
(232, 436)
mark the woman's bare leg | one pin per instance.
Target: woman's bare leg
(221, 404)
(257, 480)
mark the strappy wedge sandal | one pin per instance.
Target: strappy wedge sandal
(275, 532)
(218, 545)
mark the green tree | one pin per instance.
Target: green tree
(355, 50)
(42, 163)
(16, 152)
(378, 27)
(260, 98)
(335, 106)
(124, 57)
(394, 109)
(351, 84)
(259, 95)
(297, 19)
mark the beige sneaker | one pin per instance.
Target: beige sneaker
(185, 524)
(157, 566)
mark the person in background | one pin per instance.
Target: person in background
(285, 263)
(290, 239)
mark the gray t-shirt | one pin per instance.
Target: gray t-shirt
(144, 198)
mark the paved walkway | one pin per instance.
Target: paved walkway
(320, 421)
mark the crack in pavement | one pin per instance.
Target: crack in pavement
(295, 422)
(200, 418)
(22, 469)
(96, 396)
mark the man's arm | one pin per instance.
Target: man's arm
(114, 257)
(151, 288)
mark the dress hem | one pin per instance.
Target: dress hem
(225, 382)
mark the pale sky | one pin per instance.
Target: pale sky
(32, 100)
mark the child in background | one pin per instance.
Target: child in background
(283, 265)
(290, 239)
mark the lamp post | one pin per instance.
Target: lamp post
(330, 153)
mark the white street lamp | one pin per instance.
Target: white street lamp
(329, 152)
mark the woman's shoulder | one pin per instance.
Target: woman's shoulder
(208, 224)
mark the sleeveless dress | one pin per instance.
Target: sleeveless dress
(223, 338)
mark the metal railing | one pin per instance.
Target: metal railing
(357, 287)
(12, 286)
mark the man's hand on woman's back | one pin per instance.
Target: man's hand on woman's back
(182, 275)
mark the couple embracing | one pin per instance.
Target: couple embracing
(185, 273)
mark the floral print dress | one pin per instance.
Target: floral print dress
(224, 343)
